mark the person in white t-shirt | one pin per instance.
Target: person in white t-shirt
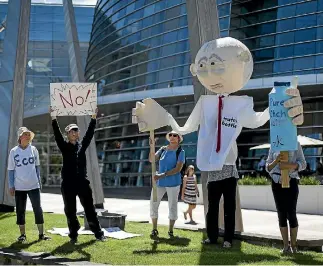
(24, 179)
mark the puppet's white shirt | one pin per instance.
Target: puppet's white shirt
(237, 112)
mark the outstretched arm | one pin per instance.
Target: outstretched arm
(57, 134)
(192, 122)
(252, 119)
(89, 133)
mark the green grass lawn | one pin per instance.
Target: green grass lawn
(185, 249)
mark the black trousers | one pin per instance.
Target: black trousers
(83, 190)
(21, 201)
(227, 188)
(286, 202)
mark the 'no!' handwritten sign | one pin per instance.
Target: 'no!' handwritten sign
(69, 99)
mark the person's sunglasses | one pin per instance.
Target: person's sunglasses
(173, 135)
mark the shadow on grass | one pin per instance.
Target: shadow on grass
(216, 254)
(175, 241)
(68, 248)
(4, 215)
(303, 258)
(20, 246)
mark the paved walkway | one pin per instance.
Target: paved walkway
(256, 222)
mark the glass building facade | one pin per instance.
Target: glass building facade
(143, 45)
(284, 36)
(132, 47)
(48, 59)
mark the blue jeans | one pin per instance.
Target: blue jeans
(21, 201)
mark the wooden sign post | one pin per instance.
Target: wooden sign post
(284, 173)
(141, 115)
(153, 164)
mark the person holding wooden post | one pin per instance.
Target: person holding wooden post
(170, 160)
(168, 179)
(284, 161)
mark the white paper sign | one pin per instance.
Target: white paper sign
(112, 232)
(75, 99)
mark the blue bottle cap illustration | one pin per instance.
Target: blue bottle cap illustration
(281, 84)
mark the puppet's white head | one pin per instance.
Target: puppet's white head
(223, 65)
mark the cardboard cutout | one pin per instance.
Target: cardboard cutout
(223, 66)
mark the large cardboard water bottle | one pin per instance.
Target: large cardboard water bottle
(283, 133)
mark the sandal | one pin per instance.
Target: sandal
(44, 237)
(286, 250)
(22, 238)
(154, 234)
(170, 233)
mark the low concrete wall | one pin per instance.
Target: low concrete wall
(310, 199)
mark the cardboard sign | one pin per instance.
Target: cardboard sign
(75, 99)
(283, 133)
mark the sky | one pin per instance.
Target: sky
(75, 2)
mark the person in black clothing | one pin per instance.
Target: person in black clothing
(74, 177)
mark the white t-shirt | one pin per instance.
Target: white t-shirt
(24, 163)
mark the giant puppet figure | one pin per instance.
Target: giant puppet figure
(223, 66)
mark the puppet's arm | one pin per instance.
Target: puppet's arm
(252, 119)
(150, 115)
(192, 122)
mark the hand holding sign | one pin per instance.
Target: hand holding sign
(73, 98)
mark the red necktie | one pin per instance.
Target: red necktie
(220, 107)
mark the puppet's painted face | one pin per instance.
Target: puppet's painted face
(223, 65)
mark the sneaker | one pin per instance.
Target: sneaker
(73, 241)
(22, 238)
(170, 233)
(154, 234)
(101, 238)
(44, 237)
(227, 244)
(208, 242)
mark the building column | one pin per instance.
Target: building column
(77, 73)
(12, 85)
(203, 25)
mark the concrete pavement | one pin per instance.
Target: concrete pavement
(255, 222)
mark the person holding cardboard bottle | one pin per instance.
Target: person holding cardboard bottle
(286, 198)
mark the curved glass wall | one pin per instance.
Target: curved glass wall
(284, 36)
(141, 45)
